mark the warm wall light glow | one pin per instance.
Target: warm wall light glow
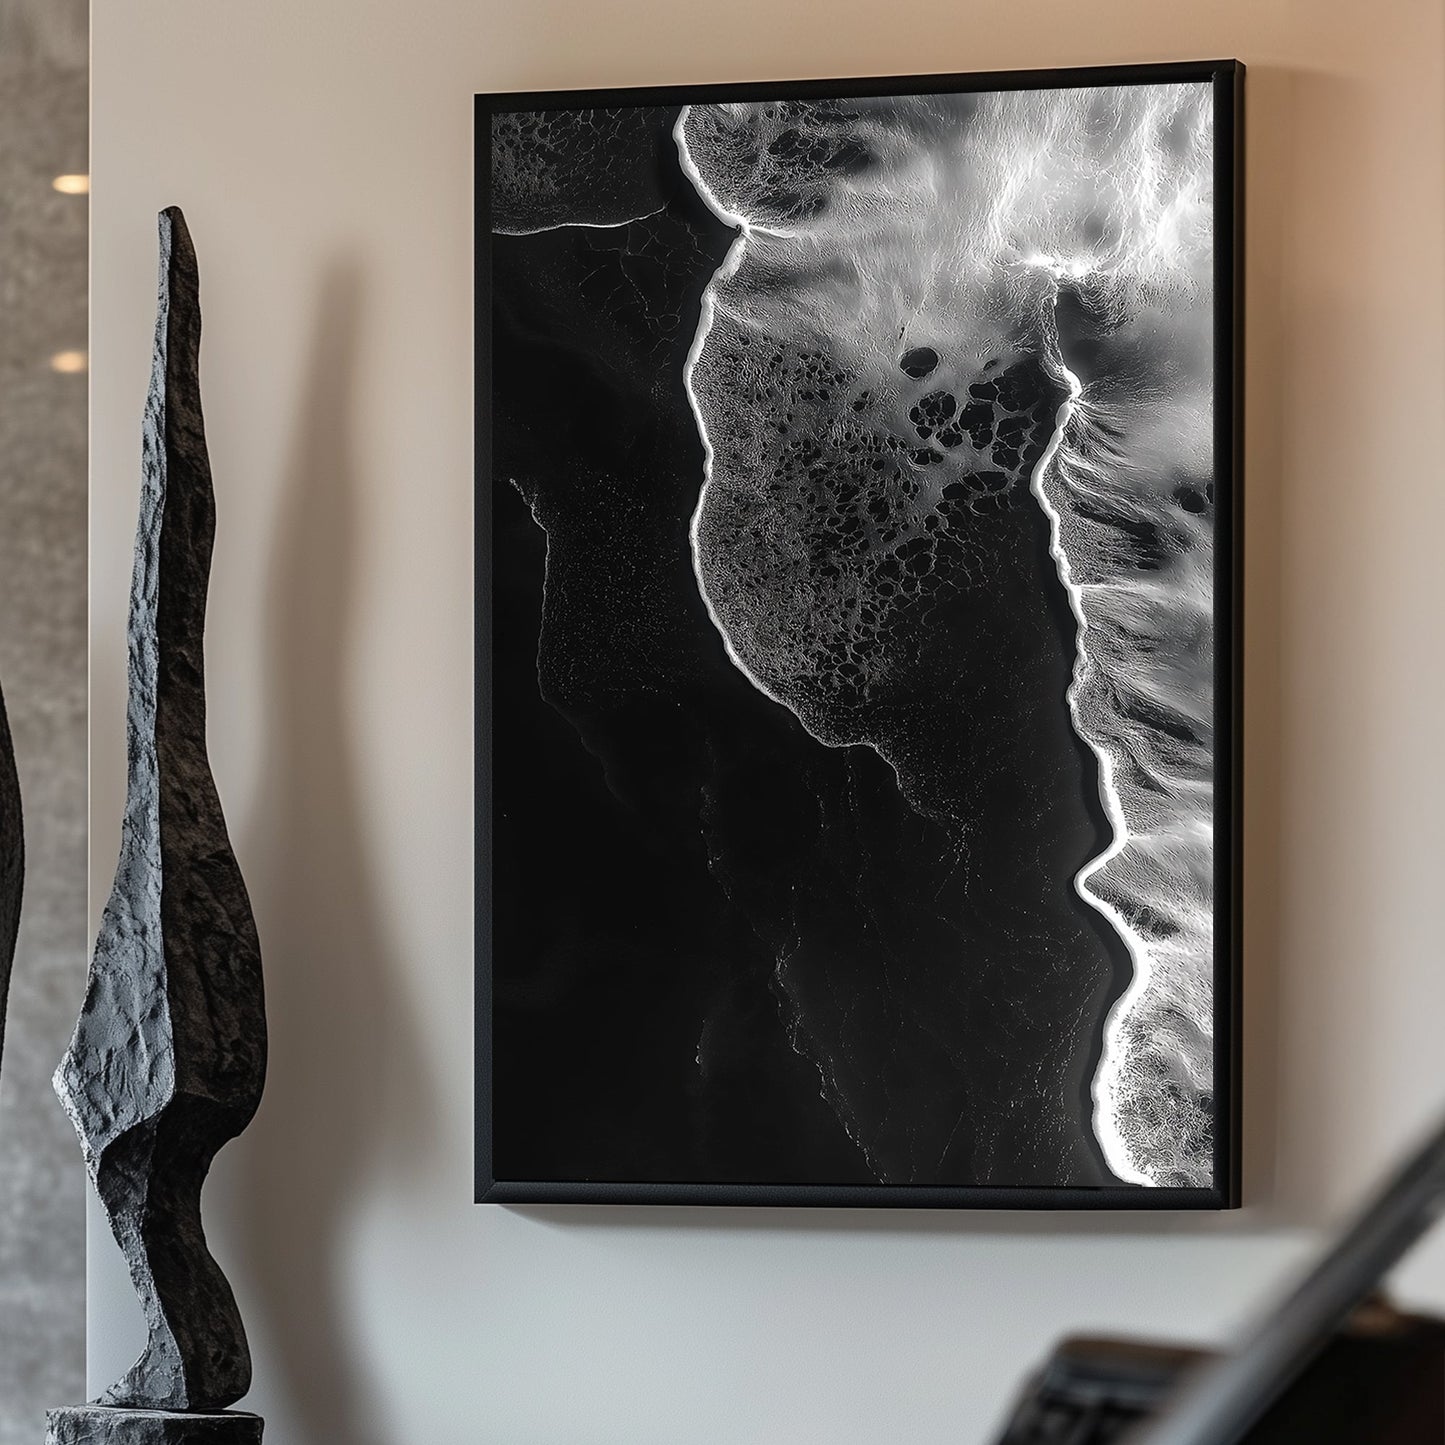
(69, 362)
(72, 185)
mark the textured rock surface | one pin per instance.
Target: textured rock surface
(97, 1425)
(169, 1054)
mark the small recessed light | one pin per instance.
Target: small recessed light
(72, 185)
(69, 362)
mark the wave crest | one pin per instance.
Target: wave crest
(916, 288)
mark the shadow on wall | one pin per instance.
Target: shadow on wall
(1269, 123)
(339, 1041)
(1317, 933)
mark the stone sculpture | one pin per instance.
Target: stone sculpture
(169, 1055)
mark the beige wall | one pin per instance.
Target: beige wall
(323, 152)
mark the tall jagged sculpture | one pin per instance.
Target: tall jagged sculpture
(169, 1055)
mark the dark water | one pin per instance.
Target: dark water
(726, 948)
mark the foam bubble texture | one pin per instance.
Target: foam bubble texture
(572, 167)
(918, 287)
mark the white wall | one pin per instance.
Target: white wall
(322, 151)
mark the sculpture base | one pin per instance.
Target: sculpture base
(105, 1425)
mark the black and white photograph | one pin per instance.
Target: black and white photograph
(856, 698)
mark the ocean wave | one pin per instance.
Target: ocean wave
(933, 305)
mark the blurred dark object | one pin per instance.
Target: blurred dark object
(12, 863)
(1092, 1390)
(1331, 1365)
(1370, 1386)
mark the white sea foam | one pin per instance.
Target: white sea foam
(964, 228)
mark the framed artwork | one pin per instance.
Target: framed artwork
(858, 617)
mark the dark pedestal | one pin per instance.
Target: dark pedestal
(98, 1425)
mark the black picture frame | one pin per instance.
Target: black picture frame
(1227, 80)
